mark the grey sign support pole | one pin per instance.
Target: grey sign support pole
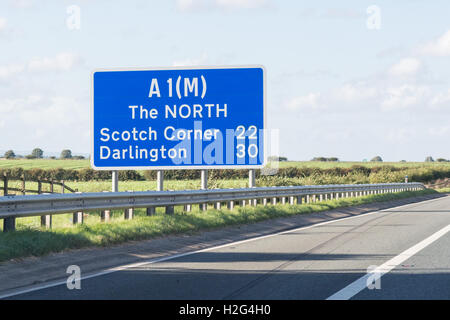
(159, 180)
(160, 187)
(251, 178)
(115, 181)
(252, 184)
(204, 186)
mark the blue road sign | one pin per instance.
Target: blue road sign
(173, 118)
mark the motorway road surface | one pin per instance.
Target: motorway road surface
(410, 245)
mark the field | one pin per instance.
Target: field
(291, 173)
(44, 164)
(80, 164)
(349, 164)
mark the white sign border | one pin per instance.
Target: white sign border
(175, 167)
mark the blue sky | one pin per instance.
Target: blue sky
(335, 86)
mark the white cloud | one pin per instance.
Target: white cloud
(22, 3)
(404, 96)
(354, 93)
(202, 60)
(343, 13)
(439, 131)
(3, 24)
(46, 121)
(371, 97)
(440, 99)
(309, 101)
(438, 47)
(238, 4)
(9, 71)
(61, 62)
(400, 135)
(192, 5)
(406, 67)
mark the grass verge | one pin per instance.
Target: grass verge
(34, 241)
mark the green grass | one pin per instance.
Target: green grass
(99, 186)
(31, 240)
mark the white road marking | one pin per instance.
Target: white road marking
(166, 258)
(357, 286)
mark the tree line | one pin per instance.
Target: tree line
(38, 153)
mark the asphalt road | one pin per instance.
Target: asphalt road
(411, 244)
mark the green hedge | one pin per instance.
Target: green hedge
(355, 174)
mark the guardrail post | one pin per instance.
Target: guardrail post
(9, 224)
(274, 200)
(291, 200)
(105, 215)
(62, 186)
(46, 221)
(204, 186)
(230, 205)
(151, 211)
(77, 217)
(128, 214)
(264, 201)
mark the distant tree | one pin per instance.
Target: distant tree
(429, 159)
(37, 153)
(66, 154)
(53, 157)
(402, 160)
(10, 154)
(377, 159)
(78, 157)
(276, 158)
(30, 156)
(319, 159)
(332, 159)
(441, 160)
